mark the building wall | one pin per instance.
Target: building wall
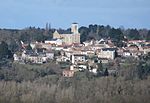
(78, 58)
(68, 73)
(57, 42)
(74, 28)
(69, 39)
(56, 35)
(107, 54)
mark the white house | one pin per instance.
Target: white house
(54, 41)
(50, 55)
(78, 58)
(127, 53)
(16, 58)
(108, 53)
(94, 70)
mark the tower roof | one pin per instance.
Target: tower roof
(74, 23)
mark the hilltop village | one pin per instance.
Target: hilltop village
(74, 56)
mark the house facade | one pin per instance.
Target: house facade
(78, 58)
(68, 73)
(108, 53)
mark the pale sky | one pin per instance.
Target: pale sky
(61, 13)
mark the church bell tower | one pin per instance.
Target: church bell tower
(74, 28)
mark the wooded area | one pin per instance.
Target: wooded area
(25, 83)
(80, 89)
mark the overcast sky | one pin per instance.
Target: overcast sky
(61, 13)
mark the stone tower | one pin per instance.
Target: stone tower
(74, 28)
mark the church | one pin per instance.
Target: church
(69, 39)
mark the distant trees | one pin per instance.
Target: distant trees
(55, 89)
(26, 72)
(13, 45)
(106, 73)
(143, 68)
(32, 34)
(25, 37)
(93, 32)
(134, 34)
(148, 36)
(84, 33)
(117, 36)
(100, 69)
(4, 51)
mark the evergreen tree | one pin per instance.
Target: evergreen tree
(4, 51)
(134, 34)
(117, 36)
(106, 73)
(99, 69)
(148, 36)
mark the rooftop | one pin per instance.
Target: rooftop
(79, 55)
(109, 49)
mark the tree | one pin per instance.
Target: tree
(140, 70)
(84, 33)
(25, 37)
(13, 46)
(117, 36)
(148, 36)
(4, 51)
(106, 73)
(99, 69)
(134, 34)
